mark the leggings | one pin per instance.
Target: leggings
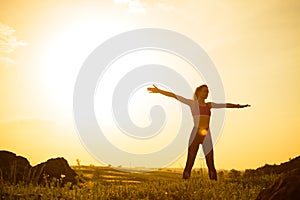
(195, 140)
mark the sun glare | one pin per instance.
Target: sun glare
(65, 54)
(141, 101)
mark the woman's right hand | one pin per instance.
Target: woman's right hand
(153, 90)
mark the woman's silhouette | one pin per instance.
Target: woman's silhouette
(201, 132)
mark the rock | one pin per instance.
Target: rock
(14, 168)
(57, 168)
(286, 187)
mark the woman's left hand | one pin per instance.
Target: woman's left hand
(244, 106)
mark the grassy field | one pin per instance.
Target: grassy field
(109, 183)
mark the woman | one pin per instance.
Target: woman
(200, 133)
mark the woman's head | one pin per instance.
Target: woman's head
(201, 92)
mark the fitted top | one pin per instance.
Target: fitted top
(204, 110)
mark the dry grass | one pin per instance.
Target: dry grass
(108, 183)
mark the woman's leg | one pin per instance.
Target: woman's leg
(209, 156)
(194, 142)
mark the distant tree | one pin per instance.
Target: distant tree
(78, 163)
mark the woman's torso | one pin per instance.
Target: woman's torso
(201, 115)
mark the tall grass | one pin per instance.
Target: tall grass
(107, 183)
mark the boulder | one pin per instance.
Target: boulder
(13, 168)
(57, 168)
(286, 187)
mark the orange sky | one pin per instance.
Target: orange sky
(255, 46)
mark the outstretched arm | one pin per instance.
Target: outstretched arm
(228, 105)
(170, 94)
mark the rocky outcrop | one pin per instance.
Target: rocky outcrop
(14, 169)
(275, 169)
(286, 187)
(57, 168)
